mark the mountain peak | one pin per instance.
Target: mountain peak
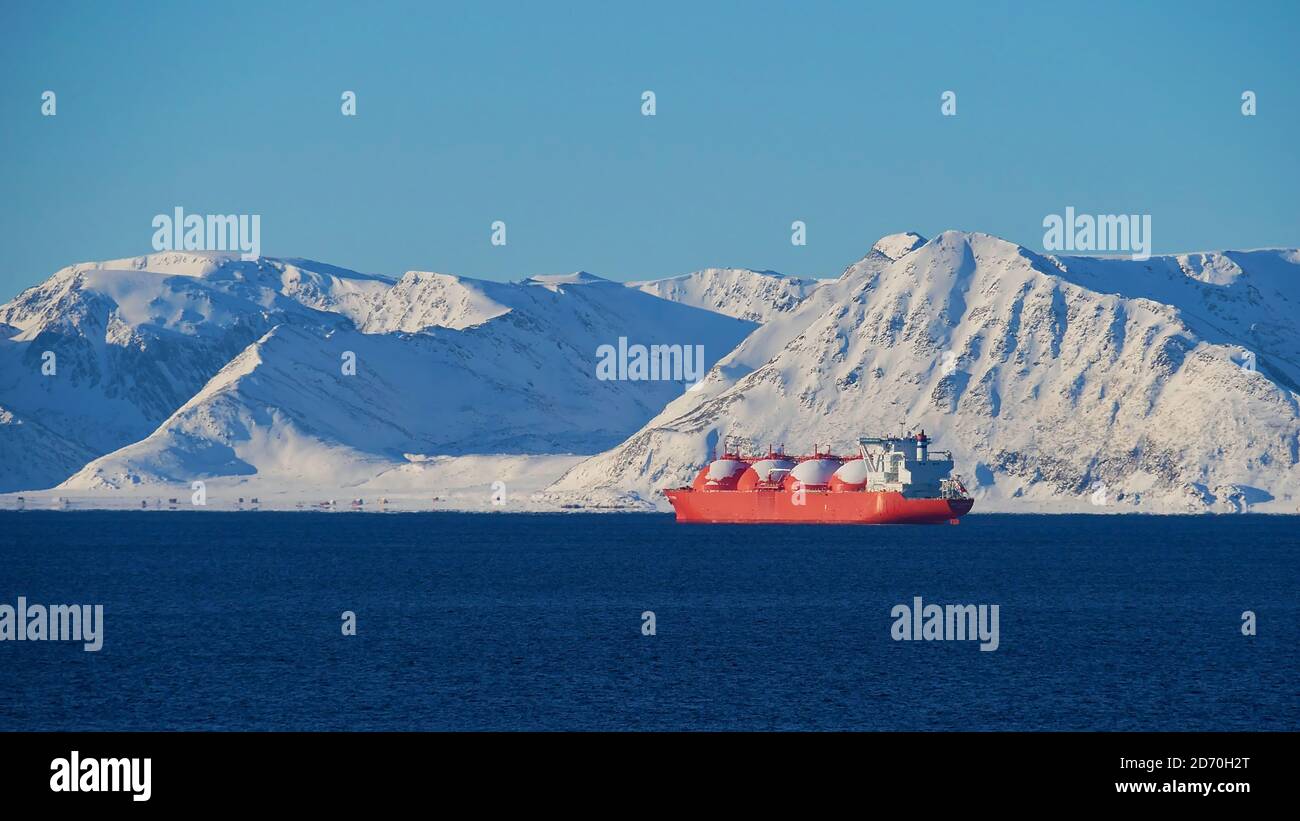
(575, 278)
(755, 296)
(428, 276)
(896, 246)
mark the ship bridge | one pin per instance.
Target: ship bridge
(907, 464)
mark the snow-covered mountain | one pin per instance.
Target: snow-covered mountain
(1058, 383)
(99, 354)
(423, 300)
(1162, 385)
(754, 295)
(179, 367)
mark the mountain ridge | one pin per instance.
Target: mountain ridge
(1169, 383)
(488, 340)
(1019, 337)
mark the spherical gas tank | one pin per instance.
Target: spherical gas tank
(761, 471)
(722, 474)
(812, 473)
(851, 476)
(700, 478)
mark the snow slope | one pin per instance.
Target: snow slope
(134, 339)
(754, 295)
(423, 300)
(521, 381)
(1049, 379)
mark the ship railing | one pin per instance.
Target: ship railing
(953, 489)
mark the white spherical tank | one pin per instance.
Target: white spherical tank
(815, 471)
(762, 470)
(852, 475)
(764, 467)
(722, 469)
(722, 474)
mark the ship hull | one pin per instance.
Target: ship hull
(819, 507)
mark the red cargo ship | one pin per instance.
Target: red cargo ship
(891, 480)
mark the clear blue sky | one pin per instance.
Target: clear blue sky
(828, 113)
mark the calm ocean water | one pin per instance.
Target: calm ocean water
(485, 621)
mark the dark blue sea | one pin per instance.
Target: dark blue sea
(232, 621)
